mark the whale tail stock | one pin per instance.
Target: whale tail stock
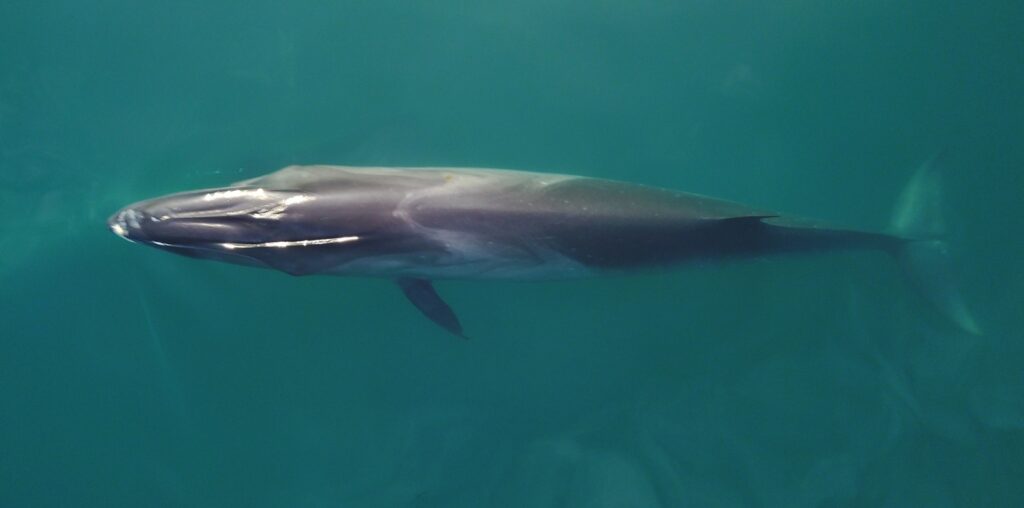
(923, 253)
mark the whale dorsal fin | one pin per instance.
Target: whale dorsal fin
(422, 295)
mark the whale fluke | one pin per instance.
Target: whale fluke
(924, 255)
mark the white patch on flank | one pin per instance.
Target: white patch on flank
(468, 255)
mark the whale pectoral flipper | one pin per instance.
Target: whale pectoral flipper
(422, 294)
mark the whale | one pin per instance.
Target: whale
(417, 225)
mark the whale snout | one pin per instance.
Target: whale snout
(127, 223)
(147, 225)
(143, 224)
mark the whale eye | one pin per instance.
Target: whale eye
(269, 213)
(276, 210)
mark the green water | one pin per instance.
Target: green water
(130, 377)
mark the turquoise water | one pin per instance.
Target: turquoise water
(130, 377)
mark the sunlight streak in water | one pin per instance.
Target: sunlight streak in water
(167, 374)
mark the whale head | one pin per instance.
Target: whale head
(241, 225)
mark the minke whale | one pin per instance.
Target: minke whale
(417, 225)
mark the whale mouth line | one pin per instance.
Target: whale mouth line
(230, 246)
(289, 243)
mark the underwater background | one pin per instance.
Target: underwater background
(131, 377)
